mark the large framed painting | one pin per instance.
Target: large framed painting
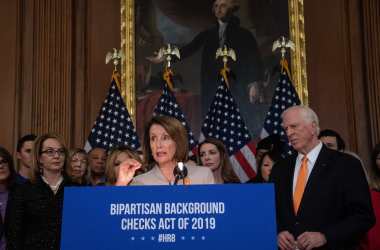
(192, 26)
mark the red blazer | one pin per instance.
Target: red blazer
(372, 239)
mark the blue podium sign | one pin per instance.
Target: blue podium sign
(169, 217)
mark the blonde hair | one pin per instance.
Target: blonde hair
(71, 154)
(37, 151)
(110, 163)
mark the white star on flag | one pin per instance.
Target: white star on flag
(284, 97)
(112, 120)
(232, 131)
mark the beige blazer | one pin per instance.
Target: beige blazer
(197, 175)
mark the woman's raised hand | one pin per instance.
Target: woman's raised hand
(127, 170)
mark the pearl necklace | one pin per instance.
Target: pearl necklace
(55, 187)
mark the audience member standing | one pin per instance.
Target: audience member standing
(332, 140)
(77, 168)
(115, 158)
(34, 214)
(7, 177)
(97, 158)
(322, 195)
(212, 153)
(265, 166)
(372, 240)
(24, 157)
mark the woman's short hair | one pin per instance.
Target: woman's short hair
(71, 154)
(112, 155)
(176, 131)
(228, 174)
(37, 151)
(12, 172)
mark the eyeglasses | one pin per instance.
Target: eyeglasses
(3, 161)
(51, 152)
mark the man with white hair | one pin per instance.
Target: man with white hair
(322, 196)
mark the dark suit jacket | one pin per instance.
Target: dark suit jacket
(248, 67)
(34, 216)
(336, 200)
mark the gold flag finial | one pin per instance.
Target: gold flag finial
(167, 53)
(283, 44)
(225, 53)
(115, 56)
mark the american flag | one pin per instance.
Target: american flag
(284, 97)
(113, 126)
(167, 105)
(224, 122)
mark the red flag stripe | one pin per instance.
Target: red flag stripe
(239, 171)
(252, 147)
(249, 156)
(245, 164)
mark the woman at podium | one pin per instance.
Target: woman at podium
(165, 148)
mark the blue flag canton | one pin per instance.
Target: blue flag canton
(285, 96)
(224, 122)
(113, 127)
(167, 105)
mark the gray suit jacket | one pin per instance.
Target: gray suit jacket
(197, 175)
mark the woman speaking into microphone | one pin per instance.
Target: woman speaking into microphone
(165, 145)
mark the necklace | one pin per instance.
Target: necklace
(55, 187)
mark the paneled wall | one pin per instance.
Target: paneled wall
(343, 68)
(9, 68)
(51, 69)
(336, 70)
(53, 76)
(371, 30)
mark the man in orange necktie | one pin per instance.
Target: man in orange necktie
(322, 196)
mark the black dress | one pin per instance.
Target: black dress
(34, 216)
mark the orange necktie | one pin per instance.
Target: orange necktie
(300, 185)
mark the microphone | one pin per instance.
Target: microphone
(180, 172)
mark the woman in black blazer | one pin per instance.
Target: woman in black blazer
(34, 214)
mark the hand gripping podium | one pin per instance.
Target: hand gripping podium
(230, 216)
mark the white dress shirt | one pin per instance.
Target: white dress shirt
(222, 31)
(311, 159)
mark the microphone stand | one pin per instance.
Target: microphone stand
(180, 172)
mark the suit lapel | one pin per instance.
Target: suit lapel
(289, 184)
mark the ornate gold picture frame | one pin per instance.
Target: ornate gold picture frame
(128, 45)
